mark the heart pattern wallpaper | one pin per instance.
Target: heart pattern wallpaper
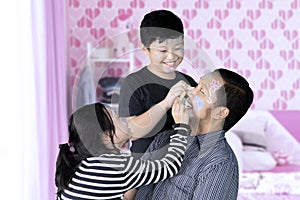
(258, 39)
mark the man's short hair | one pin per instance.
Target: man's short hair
(235, 94)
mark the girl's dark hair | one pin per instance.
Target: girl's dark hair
(235, 94)
(160, 25)
(86, 127)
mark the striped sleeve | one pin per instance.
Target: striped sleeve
(110, 176)
(145, 172)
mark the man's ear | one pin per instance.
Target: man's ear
(220, 112)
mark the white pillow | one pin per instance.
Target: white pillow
(237, 147)
(256, 159)
(251, 131)
(279, 142)
(283, 146)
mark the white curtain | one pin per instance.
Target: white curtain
(33, 97)
(18, 146)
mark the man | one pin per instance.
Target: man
(210, 168)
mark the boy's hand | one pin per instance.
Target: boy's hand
(179, 112)
(175, 92)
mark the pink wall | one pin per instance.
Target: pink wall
(258, 38)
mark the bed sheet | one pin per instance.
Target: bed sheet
(283, 181)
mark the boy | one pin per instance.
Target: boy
(147, 95)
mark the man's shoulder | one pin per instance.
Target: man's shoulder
(161, 139)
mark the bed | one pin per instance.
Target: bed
(267, 146)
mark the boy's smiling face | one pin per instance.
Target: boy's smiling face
(165, 56)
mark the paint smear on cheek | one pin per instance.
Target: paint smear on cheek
(198, 103)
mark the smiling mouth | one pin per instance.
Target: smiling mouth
(170, 64)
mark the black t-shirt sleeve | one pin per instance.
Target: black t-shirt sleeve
(190, 80)
(131, 99)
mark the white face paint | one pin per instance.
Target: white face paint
(214, 86)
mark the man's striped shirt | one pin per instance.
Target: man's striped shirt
(209, 171)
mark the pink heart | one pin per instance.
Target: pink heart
(74, 42)
(189, 14)
(221, 14)
(137, 3)
(290, 34)
(132, 34)
(266, 44)
(279, 105)
(185, 24)
(169, 3)
(275, 75)
(287, 95)
(84, 22)
(213, 23)
(194, 33)
(253, 14)
(234, 44)
(267, 84)
(104, 3)
(246, 73)
(296, 84)
(173, 3)
(137, 62)
(226, 34)
(201, 4)
(258, 94)
(199, 63)
(265, 4)
(294, 64)
(285, 14)
(92, 13)
(277, 24)
(222, 54)
(231, 63)
(114, 23)
(286, 55)
(191, 54)
(234, 4)
(73, 62)
(97, 33)
(254, 55)
(105, 42)
(258, 35)
(74, 3)
(262, 64)
(124, 15)
(295, 4)
(245, 23)
(203, 44)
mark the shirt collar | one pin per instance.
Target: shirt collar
(207, 140)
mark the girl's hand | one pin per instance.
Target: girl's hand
(179, 112)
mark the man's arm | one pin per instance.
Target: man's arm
(219, 182)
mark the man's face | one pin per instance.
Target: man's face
(167, 55)
(204, 95)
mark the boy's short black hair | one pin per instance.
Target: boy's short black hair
(161, 25)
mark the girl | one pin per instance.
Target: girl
(90, 165)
